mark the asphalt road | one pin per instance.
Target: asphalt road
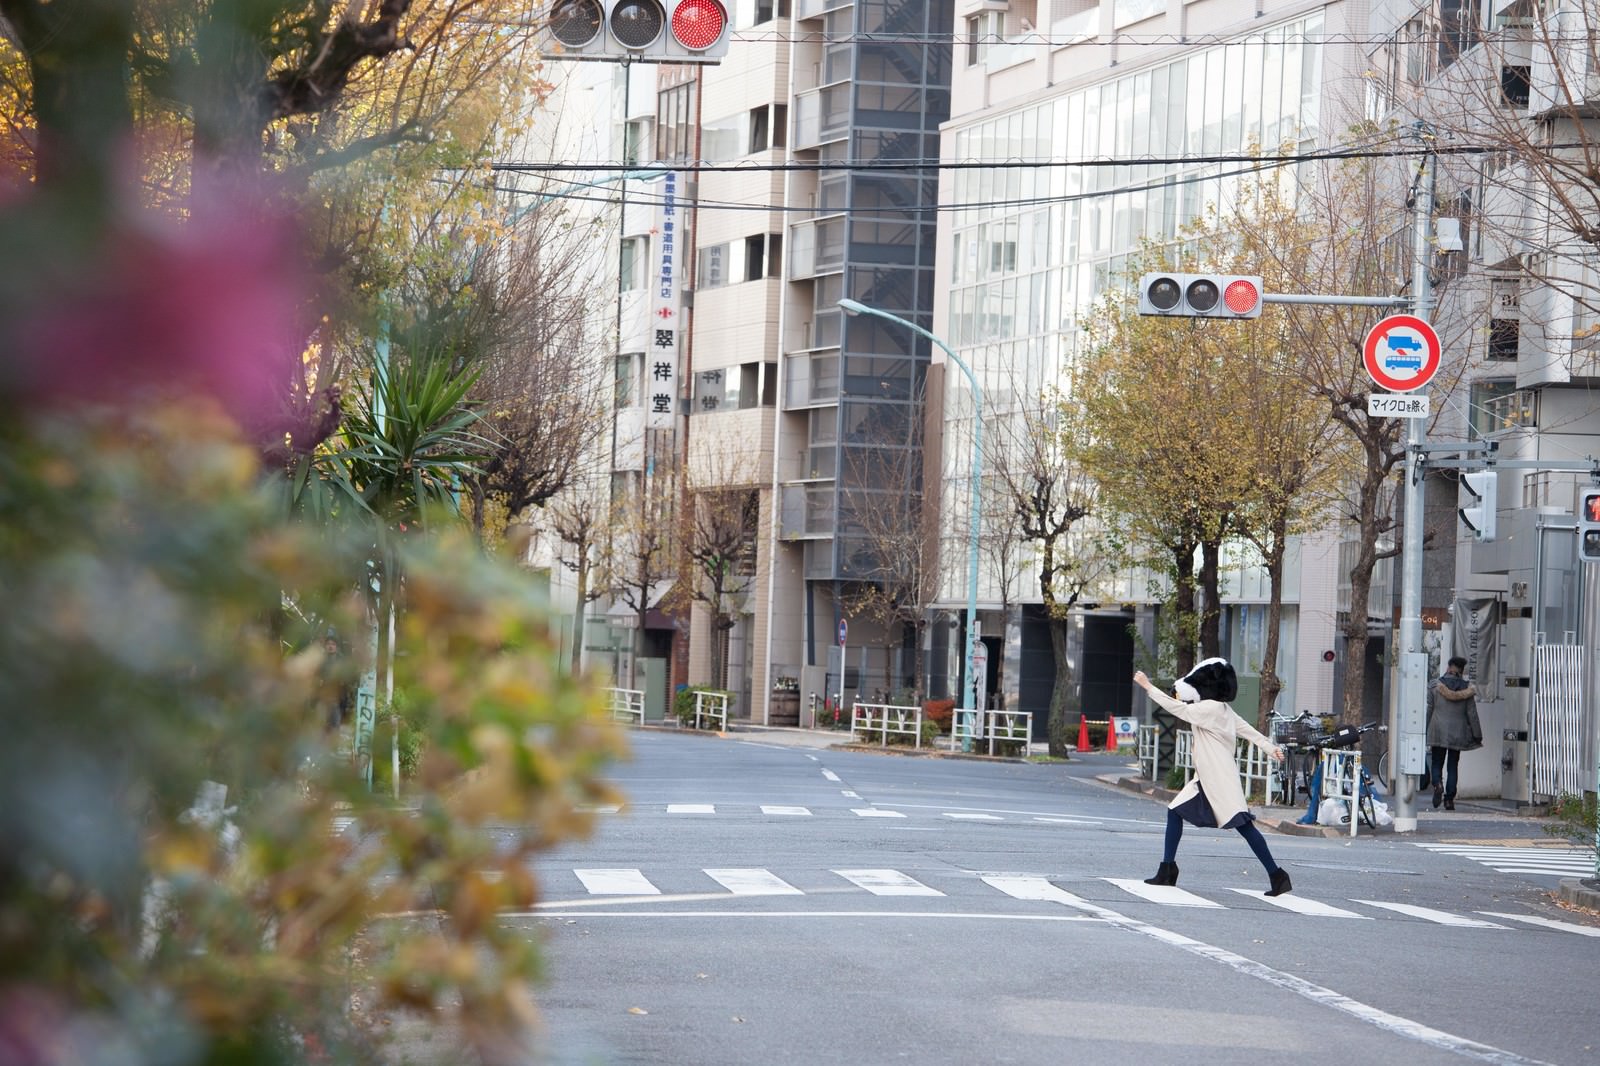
(755, 903)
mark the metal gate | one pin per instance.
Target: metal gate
(1555, 755)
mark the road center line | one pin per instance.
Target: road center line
(1038, 888)
(830, 775)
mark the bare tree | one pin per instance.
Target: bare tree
(891, 553)
(577, 518)
(639, 553)
(1049, 499)
(718, 525)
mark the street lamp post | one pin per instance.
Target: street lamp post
(856, 308)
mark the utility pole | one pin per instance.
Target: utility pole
(1408, 735)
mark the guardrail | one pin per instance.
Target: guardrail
(1255, 765)
(1341, 780)
(711, 707)
(1148, 752)
(992, 726)
(627, 704)
(886, 718)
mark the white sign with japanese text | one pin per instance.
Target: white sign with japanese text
(1397, 405)
(666, 310)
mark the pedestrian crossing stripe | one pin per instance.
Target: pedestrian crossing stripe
(1166, 895)
(963, 817)
(802, 812)
(1428, 914)
(756, 881)
(887, 883)
(691, 808)
(874, 812)
(1522, 860)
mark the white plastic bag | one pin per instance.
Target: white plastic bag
(1380, 813)
(1333, 812)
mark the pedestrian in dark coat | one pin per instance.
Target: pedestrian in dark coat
(1452, 729)
(1214, 797)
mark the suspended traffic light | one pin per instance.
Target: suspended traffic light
(636, 31)
(1200, 295)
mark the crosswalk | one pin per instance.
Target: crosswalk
(738, 882)
(779, 810)
(1510, 859)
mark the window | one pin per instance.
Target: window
(712, 268)
(630, 269)
(736, 388)
(675, 123)
(983, 30)
(1503, 336)
(627, 379)
(635, 141)
(1515, 85)
(760, 134)
(1486, 399)
(780, 123)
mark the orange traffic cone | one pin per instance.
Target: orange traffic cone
(1111, 736)
(1083, 733)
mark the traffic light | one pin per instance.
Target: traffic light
(1479, 514)
(1589, 525)
(1200, 295)
(636, 31)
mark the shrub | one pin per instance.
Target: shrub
(1175, 778)
(939, 712)
(683, 702)
(1573, 817)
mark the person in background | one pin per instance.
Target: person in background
(335, 696)
(1452, 728)
(1214, 798)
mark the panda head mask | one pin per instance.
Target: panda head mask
(1213, 679)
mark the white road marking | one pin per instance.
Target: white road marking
(1038, 888)
(887, 883)
(1552, 862)
(801, 914)
(1548, 923)
(691, 808)
(874, 812)
(600, 810)
(1300, 905)
(851, 795)
(830, 775)
(1064, 821)
(973, 817)
(1166, 895)
(616, 883)
(799, 811)
(1428, 914)
(753, 883)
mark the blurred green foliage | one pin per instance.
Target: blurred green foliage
(163, 629)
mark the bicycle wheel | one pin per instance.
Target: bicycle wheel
(1383, 770)
(1369, 817)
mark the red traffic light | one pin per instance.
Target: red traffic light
(698, 24)
(1242, 296)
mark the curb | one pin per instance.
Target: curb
(1276, 823)
(1583, 893)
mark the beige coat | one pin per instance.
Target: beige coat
(1217, 730)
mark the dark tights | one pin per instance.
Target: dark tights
(1248, 830)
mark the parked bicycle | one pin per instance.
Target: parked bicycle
(1297, 735)
(1344, 738)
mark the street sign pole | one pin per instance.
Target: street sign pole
(1408, 733)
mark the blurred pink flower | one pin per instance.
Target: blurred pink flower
(212, 305)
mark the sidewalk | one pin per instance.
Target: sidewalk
(1473, 821)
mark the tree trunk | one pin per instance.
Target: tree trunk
(1064, 703)
(1210, 621)
(1271, 683)
(583, 598)
(1183, 604)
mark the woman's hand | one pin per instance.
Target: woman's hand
(1277, 753)
(1141, 680)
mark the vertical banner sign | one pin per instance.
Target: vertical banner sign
(661, 360)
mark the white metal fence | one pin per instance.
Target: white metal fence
(991, 726)
(1255, 766)
(886, 718)
(709, 708)
(627, 704)
(1341, 780)
(1555, 751)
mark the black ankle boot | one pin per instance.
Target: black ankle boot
(1280, 882)
(1166, 874)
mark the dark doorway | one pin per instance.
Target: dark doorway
(1107, 666)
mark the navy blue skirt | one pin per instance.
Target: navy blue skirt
(1196, 810)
